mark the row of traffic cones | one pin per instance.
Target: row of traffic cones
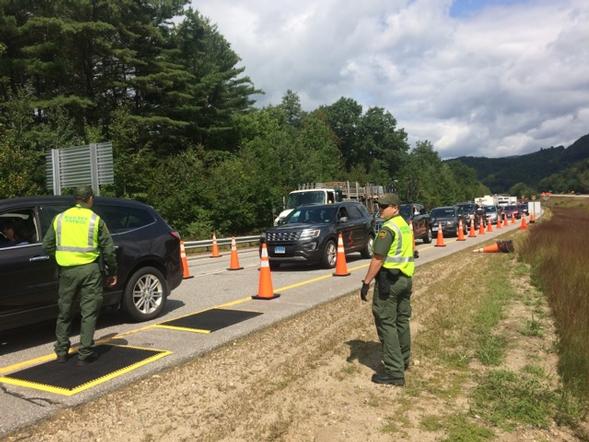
(472, 233)
(265, 289)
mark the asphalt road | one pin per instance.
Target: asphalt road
(212, 286)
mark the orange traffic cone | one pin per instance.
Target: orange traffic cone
(505, 220)
(481, 228)
(460, 232)
(489, 225)
(499, 226)
(234, 261)
(532, 218)
(524, 224)
(493, 248)
(265, 290)
(215, 248)
(471, 232)
(513, 218)
(440, 238)
(341, 267)
(185, 269)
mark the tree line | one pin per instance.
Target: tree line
(171, 96)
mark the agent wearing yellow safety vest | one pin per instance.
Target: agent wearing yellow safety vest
(392, 268)
(78, 240)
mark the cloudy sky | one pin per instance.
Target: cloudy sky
(475, 77)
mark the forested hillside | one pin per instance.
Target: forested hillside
(525, 173)
(160, 81)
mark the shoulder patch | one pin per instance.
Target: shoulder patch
(382, 234)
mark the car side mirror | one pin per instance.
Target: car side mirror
(343, 219)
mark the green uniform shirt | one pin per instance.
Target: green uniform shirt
(105, 246)
(383, 241)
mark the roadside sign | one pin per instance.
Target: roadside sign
(90, 164)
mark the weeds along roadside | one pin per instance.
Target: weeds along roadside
(483, 355)
(558, 251)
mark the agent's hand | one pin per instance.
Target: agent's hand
(111, 281)
(364, 291)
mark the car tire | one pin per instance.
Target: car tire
(427, 239)
(329, 255)
(145, 294)
(366, 252)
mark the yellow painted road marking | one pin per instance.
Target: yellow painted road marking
(174, 327)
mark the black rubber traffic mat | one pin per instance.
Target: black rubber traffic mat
(68, 378)
(209, 320)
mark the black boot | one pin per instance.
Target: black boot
(388, 379)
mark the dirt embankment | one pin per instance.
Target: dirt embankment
(308, 378)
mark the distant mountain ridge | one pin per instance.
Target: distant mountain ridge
(500, 174)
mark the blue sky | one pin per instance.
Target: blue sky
(485, 78)
(466, 8)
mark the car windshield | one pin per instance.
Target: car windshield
(302, 198)
(442, 212)
(510, 208)
(312, 215)
(490, 209)
(467, 208)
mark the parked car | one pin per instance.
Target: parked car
(309, 234)
(420, 219)
(468, 210)
(491, 214)
(523, 209)
(148, 256)
(511, 211)
(448, 218)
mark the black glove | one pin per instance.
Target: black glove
(364, 291)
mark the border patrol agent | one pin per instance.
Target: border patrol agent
(78, 240)
(392, 267)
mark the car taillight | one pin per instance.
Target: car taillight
(175, 235)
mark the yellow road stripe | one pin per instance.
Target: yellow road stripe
(173, 327)
(19, 365)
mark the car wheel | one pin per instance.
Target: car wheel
(366, 252)
(145, 294)
(329, 255)
(428, 236)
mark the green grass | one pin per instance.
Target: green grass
(463, 327)
(532, 328)
(458, 428)
(506, 399)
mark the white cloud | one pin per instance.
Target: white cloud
(504, 80)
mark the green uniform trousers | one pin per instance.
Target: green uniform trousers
(83, 282)
(392, 309)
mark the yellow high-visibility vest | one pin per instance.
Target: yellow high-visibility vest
(76, 236)
(400, 255)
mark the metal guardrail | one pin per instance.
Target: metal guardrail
(221, 242)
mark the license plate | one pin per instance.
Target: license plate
(279, 249)
(435, 229)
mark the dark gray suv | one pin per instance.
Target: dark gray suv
(148, 255)
(309, 234)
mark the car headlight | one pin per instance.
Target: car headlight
(449, 223)
(310, 233)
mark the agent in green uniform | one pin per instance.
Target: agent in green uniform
(78, 240)
(392, 268)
